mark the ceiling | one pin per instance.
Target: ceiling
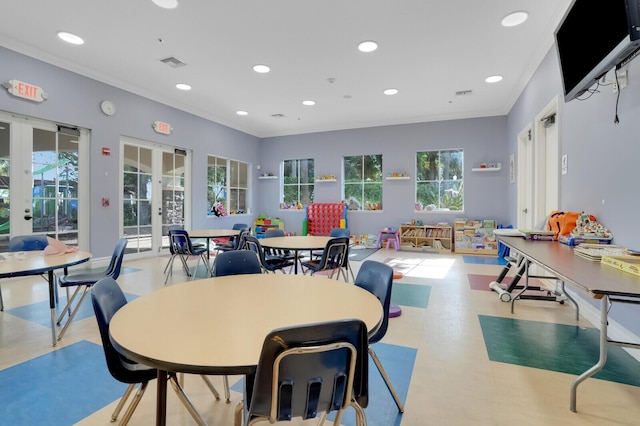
(428, 50)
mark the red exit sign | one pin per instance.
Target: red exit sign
(24, 90)
(160, 127)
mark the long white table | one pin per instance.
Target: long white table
(217, 325)
(601, 282)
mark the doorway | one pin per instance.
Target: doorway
(41, 177)
(547, 161)
(155, 188)
(525, 183)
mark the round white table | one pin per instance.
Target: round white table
(20, 264)
(296, 244)
(218, 325)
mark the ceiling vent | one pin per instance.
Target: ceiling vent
(278, 115)
(463, 92)
(173, 62)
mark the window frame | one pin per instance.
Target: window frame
(364, 205)
(310, 184)
(236, 179)
(451, 184)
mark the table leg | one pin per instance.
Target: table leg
(161, 399)
(52, 306)
(604, 305)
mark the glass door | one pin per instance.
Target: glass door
(39, 178)
(153, 194)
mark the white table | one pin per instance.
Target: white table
(179, 328)
(20, 264)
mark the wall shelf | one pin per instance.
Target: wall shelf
(267, 177)
(486, 169)
(397, 178)
(325, 180)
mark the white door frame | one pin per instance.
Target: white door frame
(525, 182)
(547, 167)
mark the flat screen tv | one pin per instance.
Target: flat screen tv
(592, 38)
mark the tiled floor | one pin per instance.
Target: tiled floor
(456, 355)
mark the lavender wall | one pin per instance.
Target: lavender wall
(483, 140)
(602, 156)
(74, 100)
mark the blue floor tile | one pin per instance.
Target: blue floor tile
(59, 388)
(484, 260)
(410, 295)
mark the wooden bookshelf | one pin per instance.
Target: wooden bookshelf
(475, 237)
(426, 238)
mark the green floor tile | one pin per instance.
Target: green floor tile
(556, 347)
(410, 295)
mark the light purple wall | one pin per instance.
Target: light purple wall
(483, 140)
(74, 100)
(602, 156)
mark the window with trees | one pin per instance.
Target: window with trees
(297, 182)
(362, 185)
(439, 180)
(227, 186)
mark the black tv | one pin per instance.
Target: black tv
(592, 38)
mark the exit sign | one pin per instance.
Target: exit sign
(163, 128)
(24, 90)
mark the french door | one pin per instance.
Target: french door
(154, 194)
(40, 180)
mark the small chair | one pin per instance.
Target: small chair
(108, 298)
(306, 370)
(26, 243)
(377, 279)
(273, 264)
(231, 243)
(236, 262)
(334, 233)
(84, 281)
(180, 246)
(334, 257)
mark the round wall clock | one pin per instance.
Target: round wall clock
(107, 107)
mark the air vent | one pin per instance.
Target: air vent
(278, 115)
(463, 92)
(173, 62)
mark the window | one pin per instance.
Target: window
(439, 180)
(297, 182)
(227, 186)
(362, 186)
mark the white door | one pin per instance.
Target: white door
(40, 180)
(547, 165)
(524, 178)
(154, 183)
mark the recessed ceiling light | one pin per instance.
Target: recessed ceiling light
(391, 92)
(166, 4)
(262, 69)
(515, 18)
(183, 86)
(367, 46)
(493, 79)
(70, 38)
(308, 102)
(242, 112)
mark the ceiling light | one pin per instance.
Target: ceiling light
(391, 92)
(309, 103)
(515, 18)
(262, 69)
(70, 38)
(493, 79)
(183, 86)
(242, 112)
(367, 46)
(166, 4)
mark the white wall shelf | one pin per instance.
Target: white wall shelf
(486, 169)
(397, 178)
(267, 177)
(325, 180)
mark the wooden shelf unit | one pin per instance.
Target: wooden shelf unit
(475, 237)
(423, 238)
